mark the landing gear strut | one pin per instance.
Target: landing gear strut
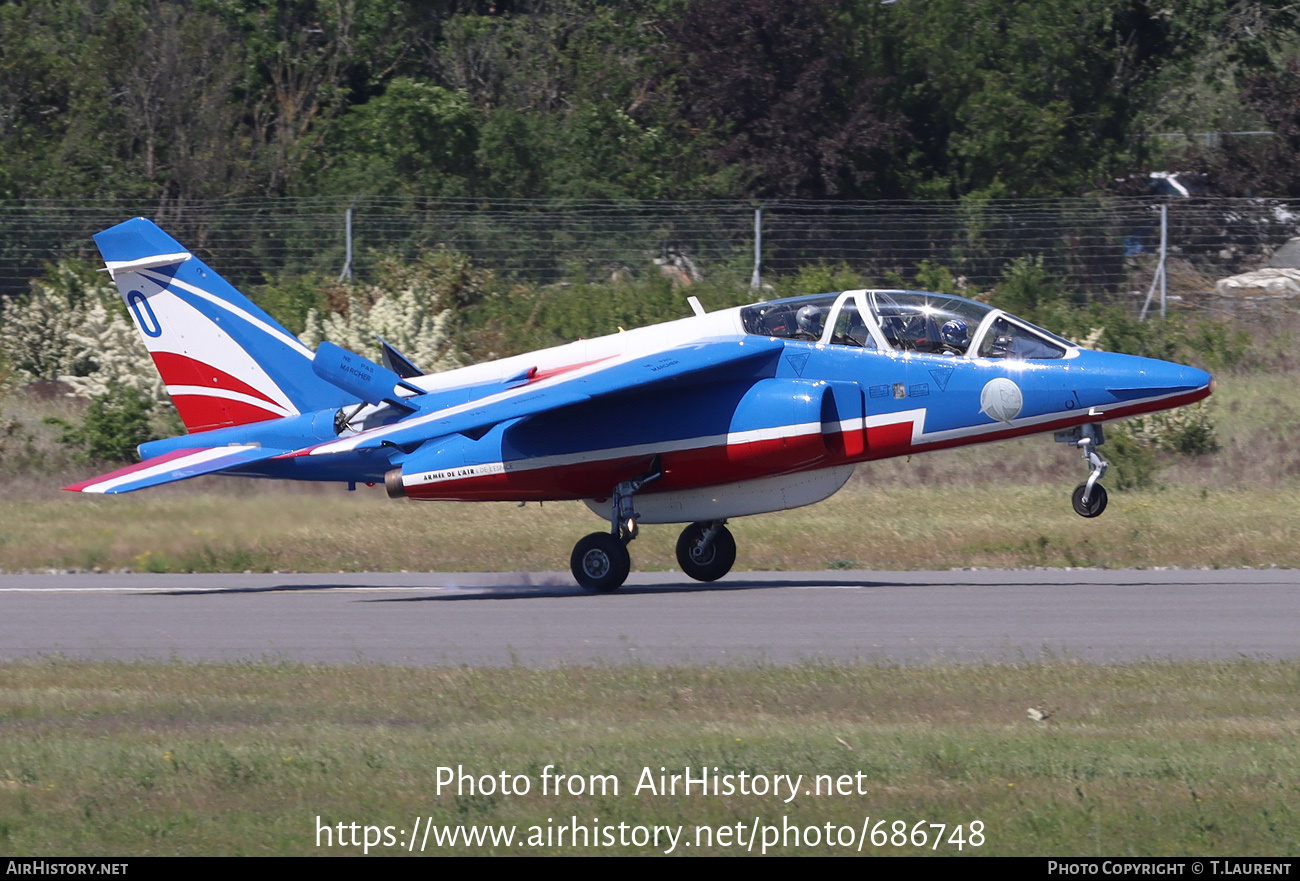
(706, 551)
(1089, 497)
(600, 562)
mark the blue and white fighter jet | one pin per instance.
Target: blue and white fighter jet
(696, 421)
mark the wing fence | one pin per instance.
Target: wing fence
(1097, 247)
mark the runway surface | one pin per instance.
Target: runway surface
(542, 619)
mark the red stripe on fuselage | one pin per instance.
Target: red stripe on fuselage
(682, 469)
(538, 375)
(722, 464)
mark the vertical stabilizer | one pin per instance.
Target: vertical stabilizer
(224, 360)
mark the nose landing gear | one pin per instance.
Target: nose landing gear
(1089, 498)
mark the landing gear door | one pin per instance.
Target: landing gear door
(843, 411)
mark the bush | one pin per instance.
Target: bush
(1134, 464)
(116, 422)
(820, 278)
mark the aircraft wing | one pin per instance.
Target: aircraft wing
(701, 361)
(173, 466)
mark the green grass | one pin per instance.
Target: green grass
(1153, 758)
(885, 525)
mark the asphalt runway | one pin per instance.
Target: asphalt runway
(542, 619)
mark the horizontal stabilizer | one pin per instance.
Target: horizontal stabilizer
(177, 465)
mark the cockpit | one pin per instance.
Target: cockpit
(906, 321)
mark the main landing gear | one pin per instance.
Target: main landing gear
(706, 551)
(1089, 498)
(600, 562)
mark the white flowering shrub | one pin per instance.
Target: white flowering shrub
(72, 328)
(412, 306)
(110, 347)
(1189, 430)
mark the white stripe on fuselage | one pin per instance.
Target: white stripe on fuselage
(916, 417)
(735, 438)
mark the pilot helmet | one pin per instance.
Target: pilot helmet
(809, 319)
(955, 333)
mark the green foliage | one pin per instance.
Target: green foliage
(18, 450)
(1134, 464)
(1218, 345)
(115, 424)
(289, 299)
(932, 276)
(1028, 290)
(820, 278)
(1187, 430)
(40, 326)
(416, 138)
(522, 319)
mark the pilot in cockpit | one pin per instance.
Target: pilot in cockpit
(954, 337)
(809, 320)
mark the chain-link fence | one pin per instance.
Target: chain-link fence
(1097, 247)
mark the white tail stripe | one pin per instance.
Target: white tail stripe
(226, 394)
(290, 341)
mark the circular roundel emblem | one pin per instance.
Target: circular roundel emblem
(1001, 399)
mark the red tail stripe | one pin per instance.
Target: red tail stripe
(204, 413)
(183, 370)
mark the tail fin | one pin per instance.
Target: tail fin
(224, 360)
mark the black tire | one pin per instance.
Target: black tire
(714, 561)
(600, 562)
(1096, 502)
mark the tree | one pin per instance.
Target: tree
(1021, 98)
(789, 91)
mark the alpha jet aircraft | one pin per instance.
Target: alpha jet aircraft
(743, 411)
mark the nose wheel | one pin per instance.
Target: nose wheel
(1089, 504)
(706, 551)
(1089, 498)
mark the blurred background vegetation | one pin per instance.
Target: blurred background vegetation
(641, 99)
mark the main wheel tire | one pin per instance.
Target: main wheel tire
(600, 562)
(1096, 501)
(706, 564)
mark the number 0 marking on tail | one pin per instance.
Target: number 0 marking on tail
(150, 326)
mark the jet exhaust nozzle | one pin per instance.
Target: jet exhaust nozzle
(393, 483)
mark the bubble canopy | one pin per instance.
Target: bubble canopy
(906, 321)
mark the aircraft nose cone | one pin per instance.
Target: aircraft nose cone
(1146, 377)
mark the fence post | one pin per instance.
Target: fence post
(346, 274)
(1159, 277)
(1164, 256)
(756, 280)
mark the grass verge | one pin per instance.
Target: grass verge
(1154, 758)
(885, 525)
